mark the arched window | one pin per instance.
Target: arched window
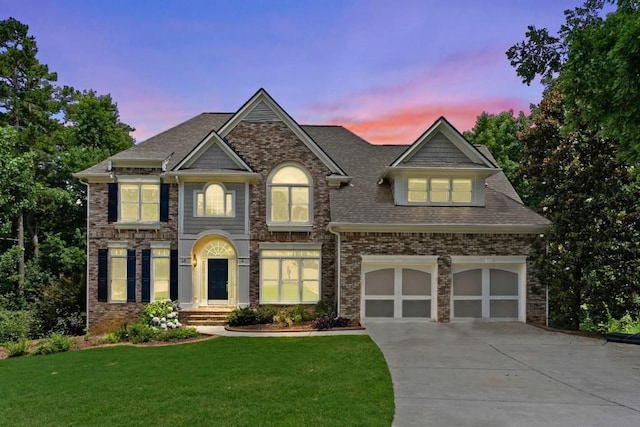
(289, 196)
(214, 200)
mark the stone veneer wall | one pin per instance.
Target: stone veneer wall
(104, 316)
(264, 145)
(354, 245)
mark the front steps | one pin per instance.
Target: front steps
(204, 316)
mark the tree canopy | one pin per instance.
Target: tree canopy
(594, 60)
(47, 132)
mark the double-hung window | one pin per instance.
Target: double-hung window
(140, 202)
(289, 197)
(160, 273)
(289, 276)
(117, 275)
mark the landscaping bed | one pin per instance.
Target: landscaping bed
(306, 326)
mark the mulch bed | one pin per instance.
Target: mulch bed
(300, 327)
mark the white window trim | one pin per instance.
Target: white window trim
(290, 225)
(204, 198)
(514, 264)
(137, 225)
(291, 247)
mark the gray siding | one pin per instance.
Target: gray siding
(215, 158)
(437, 151)
(232, 225)
(262, 113)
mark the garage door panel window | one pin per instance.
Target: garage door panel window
(468, 308)
(503, 282)
(379, 308)
(380, 282)
(416, 308)
(468, 283)
(503, 308)
(415, 282)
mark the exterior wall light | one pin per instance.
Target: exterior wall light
(194, 261)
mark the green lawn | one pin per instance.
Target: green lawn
(314, 381)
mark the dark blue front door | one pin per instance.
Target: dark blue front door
(218, 277)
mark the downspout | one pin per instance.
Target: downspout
(87, 260)
(338, 273)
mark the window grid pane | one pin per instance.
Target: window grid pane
(461, 190)
(118, 288)
(289, 280)
(280, 204)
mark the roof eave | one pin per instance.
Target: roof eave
(439, 228)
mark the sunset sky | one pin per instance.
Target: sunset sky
(384, 69)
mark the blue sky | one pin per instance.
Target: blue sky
(384, 69)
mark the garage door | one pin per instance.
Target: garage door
(398, 290)
(495, 291)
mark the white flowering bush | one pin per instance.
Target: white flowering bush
(162, 314)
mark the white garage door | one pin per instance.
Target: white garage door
(394, 287)
(492, 290)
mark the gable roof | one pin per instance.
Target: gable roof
(442, 125)
(213, 139)
(171, 145)
(261, 106)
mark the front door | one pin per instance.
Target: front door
(218, 278)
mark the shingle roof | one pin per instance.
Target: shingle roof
(174, 143)
(367, 202)
(364, 201)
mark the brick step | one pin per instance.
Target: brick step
(205, 316)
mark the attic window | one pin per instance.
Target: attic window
(439, 190)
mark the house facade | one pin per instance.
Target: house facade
(249, 208)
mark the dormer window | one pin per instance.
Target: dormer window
(439, 191)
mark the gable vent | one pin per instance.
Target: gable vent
(262, 113)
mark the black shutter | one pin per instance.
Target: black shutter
(112, 207)
(103, 267)
(146, 275)
(173, 275)
(131, 275)
(164, 202)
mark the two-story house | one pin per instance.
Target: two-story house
(250, 208)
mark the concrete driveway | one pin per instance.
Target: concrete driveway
(507, 374)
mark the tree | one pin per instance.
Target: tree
(596, 62)
(27, 100)
(499, 132)
(17, 187)
(590, 257)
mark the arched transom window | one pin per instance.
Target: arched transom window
(218, 249)
(289, 196)
(214, 200)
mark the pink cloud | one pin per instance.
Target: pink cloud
(405, 125)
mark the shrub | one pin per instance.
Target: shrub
(329, 322)
(324, 308)
(142, 332)
(56, 343)
(15, 325)
(162, 314)
(60, 306)
(289, 316)
(178, 334)
(17, 348)
(242, 317)
(266, 313)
